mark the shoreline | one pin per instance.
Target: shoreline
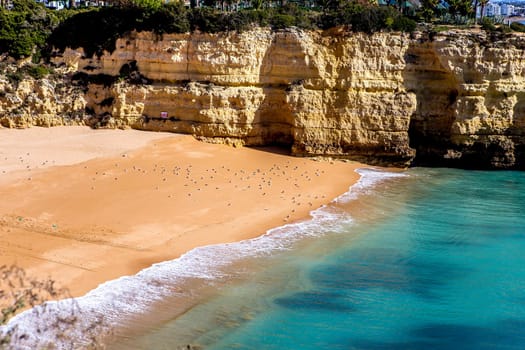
(89, 222)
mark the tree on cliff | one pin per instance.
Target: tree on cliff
(482, 4)
(25, 28)
(142, 4)
(428, 9)
(30, 29)
(257, 4)
(460, 10)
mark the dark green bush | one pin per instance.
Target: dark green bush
(208, 20)
(15, 77)
(293, 15)
(95, 31)
(211, 20)
(281, 21)
(502, 28)
(488, 25)
(517, 27)
(404, 24)
(246, 19)
(30, 28)
(339, 16)
(170, 18)
(368, 19)
(37, 71)
(371, 20)
(375, 19)
(25, 28)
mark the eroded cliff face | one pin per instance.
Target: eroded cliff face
(336, 94)
(470, 90)
(457, 99)
(44, 102)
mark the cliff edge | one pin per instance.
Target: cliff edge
(452, 99)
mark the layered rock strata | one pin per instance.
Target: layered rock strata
(43, 102)
(455, 99)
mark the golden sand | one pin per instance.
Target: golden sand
(85, 206)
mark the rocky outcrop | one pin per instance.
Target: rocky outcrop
(319, 94)
(470, 92)
(456, 99)
(44, 102)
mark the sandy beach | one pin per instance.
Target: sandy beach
(85, 206)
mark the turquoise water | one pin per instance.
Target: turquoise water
(431, 260)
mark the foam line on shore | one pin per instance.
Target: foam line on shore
(130, 296)
(369, 178)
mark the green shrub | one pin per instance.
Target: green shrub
(211, 20)
(208, 20)
(369, 19)
(341, 15)
(281, 21)
(517, 27)
(245, 19)
(146, 4)
(488, 25)
(15, 77)
(25, 28)
(31, 30)
(293, 15)
(37, 71)
(374, 19)
(170, 18)
(22, 46)
(502, 28)
(97, 31)
(404, 24)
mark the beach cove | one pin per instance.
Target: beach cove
(427, 259)
(86, 206)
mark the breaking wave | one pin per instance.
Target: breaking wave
(78, 322)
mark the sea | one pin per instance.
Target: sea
(423, 259)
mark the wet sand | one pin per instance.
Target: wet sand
(85, 206)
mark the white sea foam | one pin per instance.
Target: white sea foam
(369, 178)
(130, 296)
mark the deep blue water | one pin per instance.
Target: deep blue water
(433, 260)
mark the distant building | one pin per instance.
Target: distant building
(492, 10)
(55, 5)
(8, 4)
(507, 10)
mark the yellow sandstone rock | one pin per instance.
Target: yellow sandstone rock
(457, 98)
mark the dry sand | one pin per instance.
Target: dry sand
(85, 206)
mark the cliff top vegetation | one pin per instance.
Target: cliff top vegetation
(31, 30)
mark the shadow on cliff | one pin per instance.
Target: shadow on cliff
(436, 95)
(433, 133)
(274, 116)
(517, 131)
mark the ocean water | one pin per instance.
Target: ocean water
(428, 259)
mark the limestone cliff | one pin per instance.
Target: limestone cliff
(45, 102)
(455, 99)
(471, 97)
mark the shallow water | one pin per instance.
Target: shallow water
(431, 260)
(428, 259)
